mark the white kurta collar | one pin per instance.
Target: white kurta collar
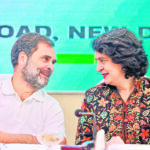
(7, 89)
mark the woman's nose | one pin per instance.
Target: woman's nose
(99, 68)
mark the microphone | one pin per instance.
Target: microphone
(80, 113)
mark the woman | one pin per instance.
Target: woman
(122, 102)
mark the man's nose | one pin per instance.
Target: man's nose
(51, 66)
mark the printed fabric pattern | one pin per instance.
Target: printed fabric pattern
(128, 120)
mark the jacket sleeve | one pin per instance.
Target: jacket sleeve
(85, 122)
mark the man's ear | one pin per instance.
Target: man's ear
(22, 59)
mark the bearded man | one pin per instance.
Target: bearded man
(26, 110)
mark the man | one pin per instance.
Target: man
(27, 111)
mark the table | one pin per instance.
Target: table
(27, 147)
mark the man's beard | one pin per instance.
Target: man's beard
(32, 75)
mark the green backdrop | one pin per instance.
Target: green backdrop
(72, 25)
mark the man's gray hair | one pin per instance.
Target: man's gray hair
(28, 44)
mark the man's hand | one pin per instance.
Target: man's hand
(115, 140)
(63, 142)
(17, 138)
(21, 138)
(48, 139)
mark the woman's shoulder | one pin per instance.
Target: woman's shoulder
(146, 80)
(97, 88)
(143, 83)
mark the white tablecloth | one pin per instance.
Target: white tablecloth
(128, 147)
(27, 147)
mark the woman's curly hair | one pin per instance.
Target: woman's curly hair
(123, 48)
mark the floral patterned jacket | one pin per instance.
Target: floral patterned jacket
(130, 120)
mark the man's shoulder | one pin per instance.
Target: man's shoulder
(5, 81)
(47, 98)
(47, 103)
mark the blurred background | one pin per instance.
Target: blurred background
(72, 25)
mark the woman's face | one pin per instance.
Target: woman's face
(111, 72)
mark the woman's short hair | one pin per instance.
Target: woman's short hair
(123, 48)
